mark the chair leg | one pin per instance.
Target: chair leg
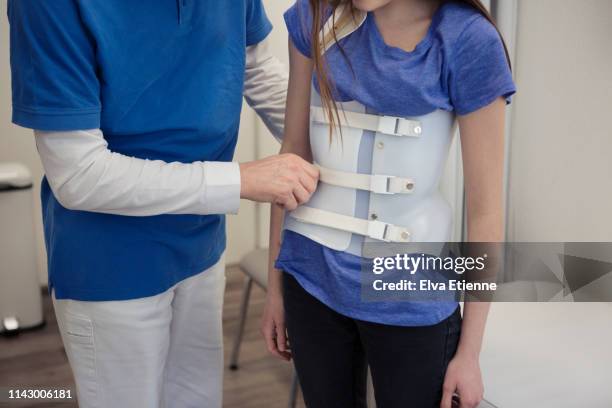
(370, 391)
(244, 305)
(293, 392)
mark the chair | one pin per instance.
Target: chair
(255, 267)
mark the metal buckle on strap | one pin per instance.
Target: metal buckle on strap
(379, 230)
(415, 128)
(380, 184)
(387, 232)
(388, 125)
(391, 125)
(393, 233)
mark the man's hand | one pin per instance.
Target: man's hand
(286, 179)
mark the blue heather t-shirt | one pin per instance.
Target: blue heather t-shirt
(162, 80)
(459, 66)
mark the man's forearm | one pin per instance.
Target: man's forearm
(85, 175)
(265, 86)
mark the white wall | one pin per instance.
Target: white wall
(250, 228)
(17, 144)
(560, 164)
(242, 228)
(267, 145)
(559, 190)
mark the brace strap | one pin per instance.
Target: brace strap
(389, 125)
(343, 23)
(376, 183)
(379, 230)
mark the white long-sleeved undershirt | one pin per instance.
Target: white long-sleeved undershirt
(85, 175)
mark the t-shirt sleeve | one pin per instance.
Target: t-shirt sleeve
(479, 72)
(53, 66)
(258, 25)
(298, 19)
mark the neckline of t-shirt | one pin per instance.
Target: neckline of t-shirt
(423, 44)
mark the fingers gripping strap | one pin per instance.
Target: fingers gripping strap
(389, 125)
(376, 183)
(373, 229)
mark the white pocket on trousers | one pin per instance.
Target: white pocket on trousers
(79, 329)
(80, 347)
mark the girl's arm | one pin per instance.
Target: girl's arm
(295, 141)
(482, 145)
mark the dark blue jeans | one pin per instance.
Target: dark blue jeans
(331, 353)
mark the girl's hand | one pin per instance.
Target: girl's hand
(273, 325)
(463, 378)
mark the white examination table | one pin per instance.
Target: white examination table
(548, 355)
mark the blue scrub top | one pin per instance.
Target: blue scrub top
(162, 80)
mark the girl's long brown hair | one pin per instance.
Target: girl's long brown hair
(326, 87)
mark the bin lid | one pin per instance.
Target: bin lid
(14, 176)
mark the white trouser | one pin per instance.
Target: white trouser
(160, 351)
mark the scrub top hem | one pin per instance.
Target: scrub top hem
(259, 34)
(57, 121)
(79, 294)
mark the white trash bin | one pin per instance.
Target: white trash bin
(20, 292)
